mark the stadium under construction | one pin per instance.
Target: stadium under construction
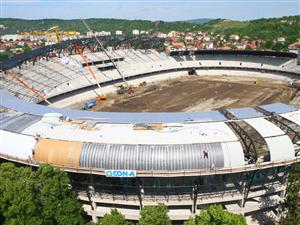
(236, 157)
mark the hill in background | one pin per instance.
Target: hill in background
(261, 28)
(199, 21)
(269, 30)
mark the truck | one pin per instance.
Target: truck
(89, 105)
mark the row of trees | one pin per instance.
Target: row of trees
(45, 197)
(157, 215)
(41, 197)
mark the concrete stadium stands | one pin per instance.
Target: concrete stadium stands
(58, 75)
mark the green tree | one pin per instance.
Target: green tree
(291, 205)
(18, 202)
(268, 44)
(26, 48)
(216, 215)
(155, 215)
(6, 54)
(37, 198)
(114, 218)
(190, 221)
(58, 201)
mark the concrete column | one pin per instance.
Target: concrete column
(242, 202)
(141, 193)
(95, 218)
(194, 197)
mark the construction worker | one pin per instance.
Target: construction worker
(205, 153)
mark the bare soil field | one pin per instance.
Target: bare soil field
(196, 93)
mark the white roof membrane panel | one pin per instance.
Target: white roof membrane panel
(281, 148)
(16, 145)
(126, 134)
(292, 116)
(264, 127)
(233, 154)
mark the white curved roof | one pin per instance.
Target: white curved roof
(16, 145)
(127, 134)
(293, 116)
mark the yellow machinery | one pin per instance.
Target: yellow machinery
(55, 30)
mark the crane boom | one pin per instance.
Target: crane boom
(106, 53)
(37, 93)
(56, 30)
(89, 68)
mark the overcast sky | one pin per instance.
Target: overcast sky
(168, 10)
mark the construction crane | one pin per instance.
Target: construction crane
(102, 96)
(29, 87)
(106, 53)
(53, 31)
(56, 31)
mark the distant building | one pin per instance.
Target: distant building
(178, 46)
(9, 37)
(103, 33)
(209, 45)
(240, 46)
(295, 47)
(234, 37)
(189, 38)
(281, 39)
(135, 32)
(119, 32)
(161, 35)
(21, 43)
(90, 33)
(206, 38)
(144, 32)
(172, 33)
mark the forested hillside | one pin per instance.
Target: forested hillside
(267, 29)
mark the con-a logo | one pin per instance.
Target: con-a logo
(120, 173)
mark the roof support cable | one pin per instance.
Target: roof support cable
(106, 53)
(24, 83)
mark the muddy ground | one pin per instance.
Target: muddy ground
(199, 94)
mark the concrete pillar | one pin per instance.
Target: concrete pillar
(141, 193)
(243, 192)
(194, 197)
(94, 218)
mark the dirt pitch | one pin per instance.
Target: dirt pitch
(196, 93)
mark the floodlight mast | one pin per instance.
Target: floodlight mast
(106, 53)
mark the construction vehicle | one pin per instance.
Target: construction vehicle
(143, 84)
(123, 88)
(101, 98)
(89, 105)
(122, 91)
(130, 90)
